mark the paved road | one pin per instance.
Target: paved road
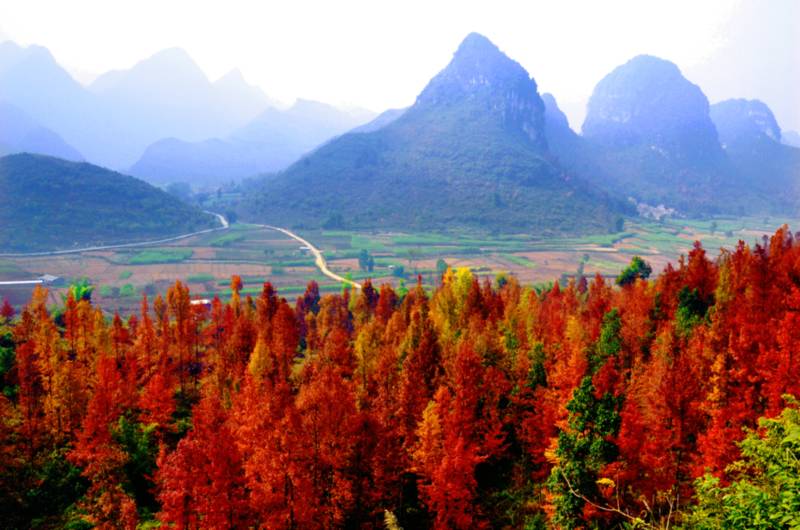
(222, 220)
(319, 260)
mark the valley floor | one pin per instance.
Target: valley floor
(256, 253)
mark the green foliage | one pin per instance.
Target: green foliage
(765, 487)
(691, 311)
(638, 268)
(47, 203)
(441, 267)
(366, 262)
(7, 359)
(81, 290)
(140, 444)
(127, 290)
(124, 275)
(585, 447)
(537, 375)
(583, 450)
(610, 341)
(53, 485)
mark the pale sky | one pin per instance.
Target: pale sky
(379, 55)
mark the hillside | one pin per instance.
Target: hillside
(470, 151)
(270, 142)
(47, 203)
(751, 137)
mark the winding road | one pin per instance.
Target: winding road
(319, 260)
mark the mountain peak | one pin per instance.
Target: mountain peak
(648, 102)
(744, 120)
(476, 43)
(483, 77)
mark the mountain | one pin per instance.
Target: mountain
(270, 142)
(168, 95)
(653, 138)
(573, 152)
(21, 133)
(32, 81)
(751, 137)
(123, 111)
(47, 203)
(472, 150)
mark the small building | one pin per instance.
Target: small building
(49, 279)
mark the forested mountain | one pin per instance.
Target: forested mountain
(751, 138)
(20, 133)
(472, 150)
(48, 204)
(270, 142)
(474, 406)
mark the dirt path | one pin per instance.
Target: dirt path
(319, 260)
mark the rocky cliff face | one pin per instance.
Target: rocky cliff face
(482, 76)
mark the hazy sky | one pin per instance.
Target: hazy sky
(380, 54)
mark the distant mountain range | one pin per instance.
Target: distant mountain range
(163, 117)
(270, 142)
(649, 135)
(471, 151)
(47, 203)
(21, 133)
(479, 147)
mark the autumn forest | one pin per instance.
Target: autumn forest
(480, 404)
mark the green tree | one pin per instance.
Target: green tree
(765, 488)
(441, 267)
(365, 260)
(638, 268)
(81, 289)
(586, 446)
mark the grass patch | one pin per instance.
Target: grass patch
(226, 240)
(522, 261)
(124, 275)
(200, 278)
(160, 255)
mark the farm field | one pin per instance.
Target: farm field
(257, 254)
